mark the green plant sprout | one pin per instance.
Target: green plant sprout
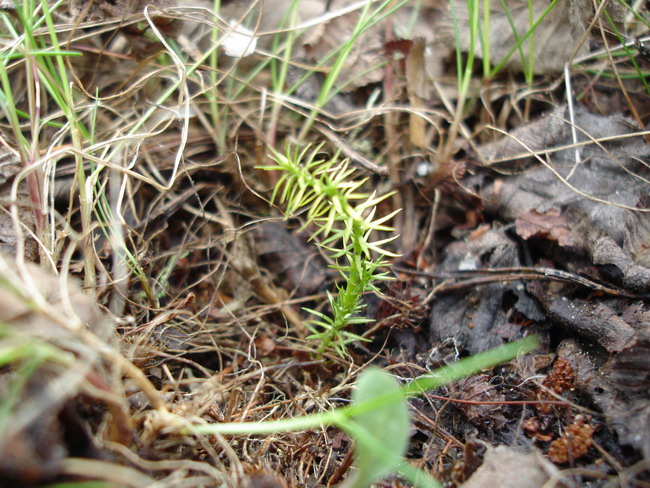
(43, 60)
(378, 418)
(325, 187)
(479, 30)
(629, 50)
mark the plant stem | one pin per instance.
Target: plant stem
(436, 379)
(326, 188)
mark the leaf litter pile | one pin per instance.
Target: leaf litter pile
(148, 285)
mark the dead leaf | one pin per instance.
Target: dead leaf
(474, 319)
(631, 367)
(40, 310)
(294, 265)
(525, 469)
(478, 389)
(550, 225)
(637, 233)
(610, 171)
(64, 297)
(534, 428)
(260, 477)
(113, 9)
(624, 404)
(264, 345)
(264, 18)
(138, 44)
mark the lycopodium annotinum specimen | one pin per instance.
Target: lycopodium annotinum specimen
(344, 219)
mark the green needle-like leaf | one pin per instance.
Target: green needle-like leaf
(326, 188)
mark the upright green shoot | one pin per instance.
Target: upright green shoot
(378, 416)
(485, 40)
(44, 65)
(325, 188)
(629, 51)
(519, 40)
(464, 69)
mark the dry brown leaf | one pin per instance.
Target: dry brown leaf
(483, 401)
(267, 16)
(37, 309)
(261, 477)
(637, 233)
(534, 428)
(292, 263)
(32, 298)
(550, 225)
(524, 469)
(265, 345)
(476, 318)
(619, 389)
(591, 184)
(631, 367)
(108, 9)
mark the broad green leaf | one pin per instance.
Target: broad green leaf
(382, 434)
